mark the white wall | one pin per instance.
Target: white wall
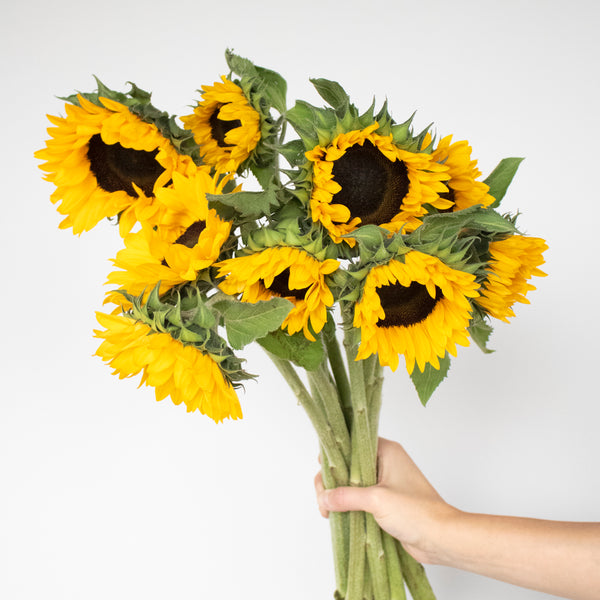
(105, 493)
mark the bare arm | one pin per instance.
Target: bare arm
(560, 558)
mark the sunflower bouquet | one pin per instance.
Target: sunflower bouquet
(364, 242)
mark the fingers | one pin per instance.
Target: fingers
(343, 499)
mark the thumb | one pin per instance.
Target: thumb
(342, 499)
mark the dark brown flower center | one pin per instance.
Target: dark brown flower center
(219, 128)
(281, 286)
(373, 186)
(189, 238)
(404, 306)
(116, 167)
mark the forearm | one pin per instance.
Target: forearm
(550, 556)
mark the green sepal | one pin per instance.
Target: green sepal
(253, 205)
(455, 237)
(187, 318)
(246, 322)
(426, 382)
(501, 177)
(296, 347)
(138, 102)
(480, 331)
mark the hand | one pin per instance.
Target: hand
(403, 502)
(557, 557)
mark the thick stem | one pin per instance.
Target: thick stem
(374, 385)
(394, 567)
(414, 576)
(338, 368)
(377, 560)
(337, 462)
(339, 525)
(364, 450)
(324, 389)
(357, 556)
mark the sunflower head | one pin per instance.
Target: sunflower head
(106, 160)
(232, 123)
(176, 348)
(513, 261)
(363, 169)
(415, 306)
(285, 272)
(187, 240)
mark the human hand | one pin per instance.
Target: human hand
(403, 502)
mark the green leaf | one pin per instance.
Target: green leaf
(297, 348)
(426, 382)
(302, 117)
(293, 152)
(247, 204)
(242, 66)
(500, 178)
(480, 330)
(275, 88)
(246, 322)
(333, 93)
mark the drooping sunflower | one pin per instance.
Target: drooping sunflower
(286, 272)
(513, 261)
(419, 308)
(174, 369)
(188, 238)
(463, 188)
(225, 125)
(106, 161)
(363, 178)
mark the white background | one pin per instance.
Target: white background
(107, 494)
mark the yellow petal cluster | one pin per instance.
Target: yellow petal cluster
(465, 189)
(253, 275)
(513, 262)
(173, 369)
(426, 179)
(224, 101)
(425, 341)
(157, 253)
(84, 202)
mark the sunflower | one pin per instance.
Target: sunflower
(183, 372)
(286, 272)
(225, 125)
(419, 308)
(363, 178)
(463, 189)
(105, 161)
(188, 238)
(513, 262)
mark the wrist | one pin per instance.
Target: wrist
(439, 546)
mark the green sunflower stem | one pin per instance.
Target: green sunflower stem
(356, 557)
(394, 567)
(339, 524)
(337, 461)
(414, 576)
(325, 390)
(338, 368)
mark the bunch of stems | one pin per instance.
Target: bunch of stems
(343, 402)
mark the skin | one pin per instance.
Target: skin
(556, 557)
